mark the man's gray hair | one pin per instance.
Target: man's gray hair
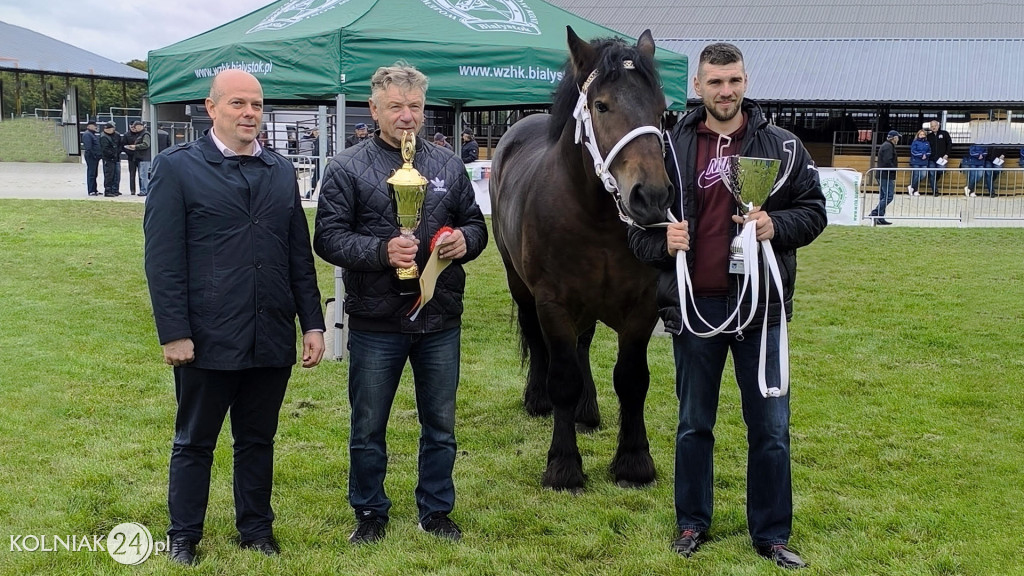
(401, 75)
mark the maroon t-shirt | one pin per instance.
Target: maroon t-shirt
(715, 207)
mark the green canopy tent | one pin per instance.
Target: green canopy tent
(477, 53)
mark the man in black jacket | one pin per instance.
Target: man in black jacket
(470, 149)
(230, 266)
(356, 229)
(888, 161)
(91, 151)
(940, 143)
(110, 151)
(793, 216)
(138, 143)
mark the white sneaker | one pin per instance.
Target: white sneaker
(967, 191)
(973, 195)
(910, 190)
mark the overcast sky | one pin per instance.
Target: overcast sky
(123, 30)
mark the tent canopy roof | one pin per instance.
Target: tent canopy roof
(477, 53)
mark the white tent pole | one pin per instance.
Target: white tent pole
(457, 137)
(340, 330)
(154, 133)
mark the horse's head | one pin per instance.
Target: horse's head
(625, 104)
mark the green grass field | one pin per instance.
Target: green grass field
(31, 140)
(907, 371)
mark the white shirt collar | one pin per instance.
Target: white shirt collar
(228, 152)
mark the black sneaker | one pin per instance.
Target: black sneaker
(440, 525)
(369, 528)
(687, 542)
(882, 222)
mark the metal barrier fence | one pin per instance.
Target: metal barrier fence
(304, 169)
(961, 194)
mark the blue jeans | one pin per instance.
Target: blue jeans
(886, 191)
(92, 164)
(699, 365)
(144, 178)
(915, 178)
(934, 176)
(376, 362)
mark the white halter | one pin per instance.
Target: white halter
(602, 165)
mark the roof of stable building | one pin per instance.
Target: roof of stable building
(23, 50)
(931, 52)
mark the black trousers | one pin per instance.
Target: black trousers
(133, 170)
(111, 176)
(253, 397)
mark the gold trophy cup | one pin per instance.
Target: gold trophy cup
(408, 188)
(751, 181)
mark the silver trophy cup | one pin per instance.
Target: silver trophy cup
(751, 181)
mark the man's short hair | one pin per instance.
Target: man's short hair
(401, 75)
(720, 54)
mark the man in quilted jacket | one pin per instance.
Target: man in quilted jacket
(356, 229)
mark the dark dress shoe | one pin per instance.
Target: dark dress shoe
(183, 551)
(782, 556)
(882, 222)
(688, 542)
(266, 545)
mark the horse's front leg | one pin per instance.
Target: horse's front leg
(588, 415)
(565, 384)
(632, 464)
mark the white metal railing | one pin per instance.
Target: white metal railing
(963, 194)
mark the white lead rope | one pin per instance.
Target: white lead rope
(752, 279)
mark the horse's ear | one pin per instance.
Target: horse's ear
(582, 54)
(646, 44)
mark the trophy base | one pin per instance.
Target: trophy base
(408, 286)
(736, 267)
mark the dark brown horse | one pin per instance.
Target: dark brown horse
(564, 247)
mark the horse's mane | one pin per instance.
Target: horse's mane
(610, 54)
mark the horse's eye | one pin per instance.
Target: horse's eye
(600, 106)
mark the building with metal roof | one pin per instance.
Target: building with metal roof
(831, 69)
(24, 51)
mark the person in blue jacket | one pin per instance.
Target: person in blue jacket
(977, 156)
(920, 152)
(230, 265)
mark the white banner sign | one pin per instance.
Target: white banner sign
(841, 187)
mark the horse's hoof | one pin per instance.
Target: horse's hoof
(636, 485)
(564, 478)
(538, 409)
(634, 469)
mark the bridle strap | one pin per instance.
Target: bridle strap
(602, 165)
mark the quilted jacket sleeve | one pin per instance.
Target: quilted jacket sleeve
(336, 238)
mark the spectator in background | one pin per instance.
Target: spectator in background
(975, 160)
(440, 140)
(314, 135)
(138, 161)
(361, 133)
(91, 151)
(940, 143)
(470, 149)
(994, 161)
(110, 150)
(163, 138)
(920, 153)
(888, 161)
